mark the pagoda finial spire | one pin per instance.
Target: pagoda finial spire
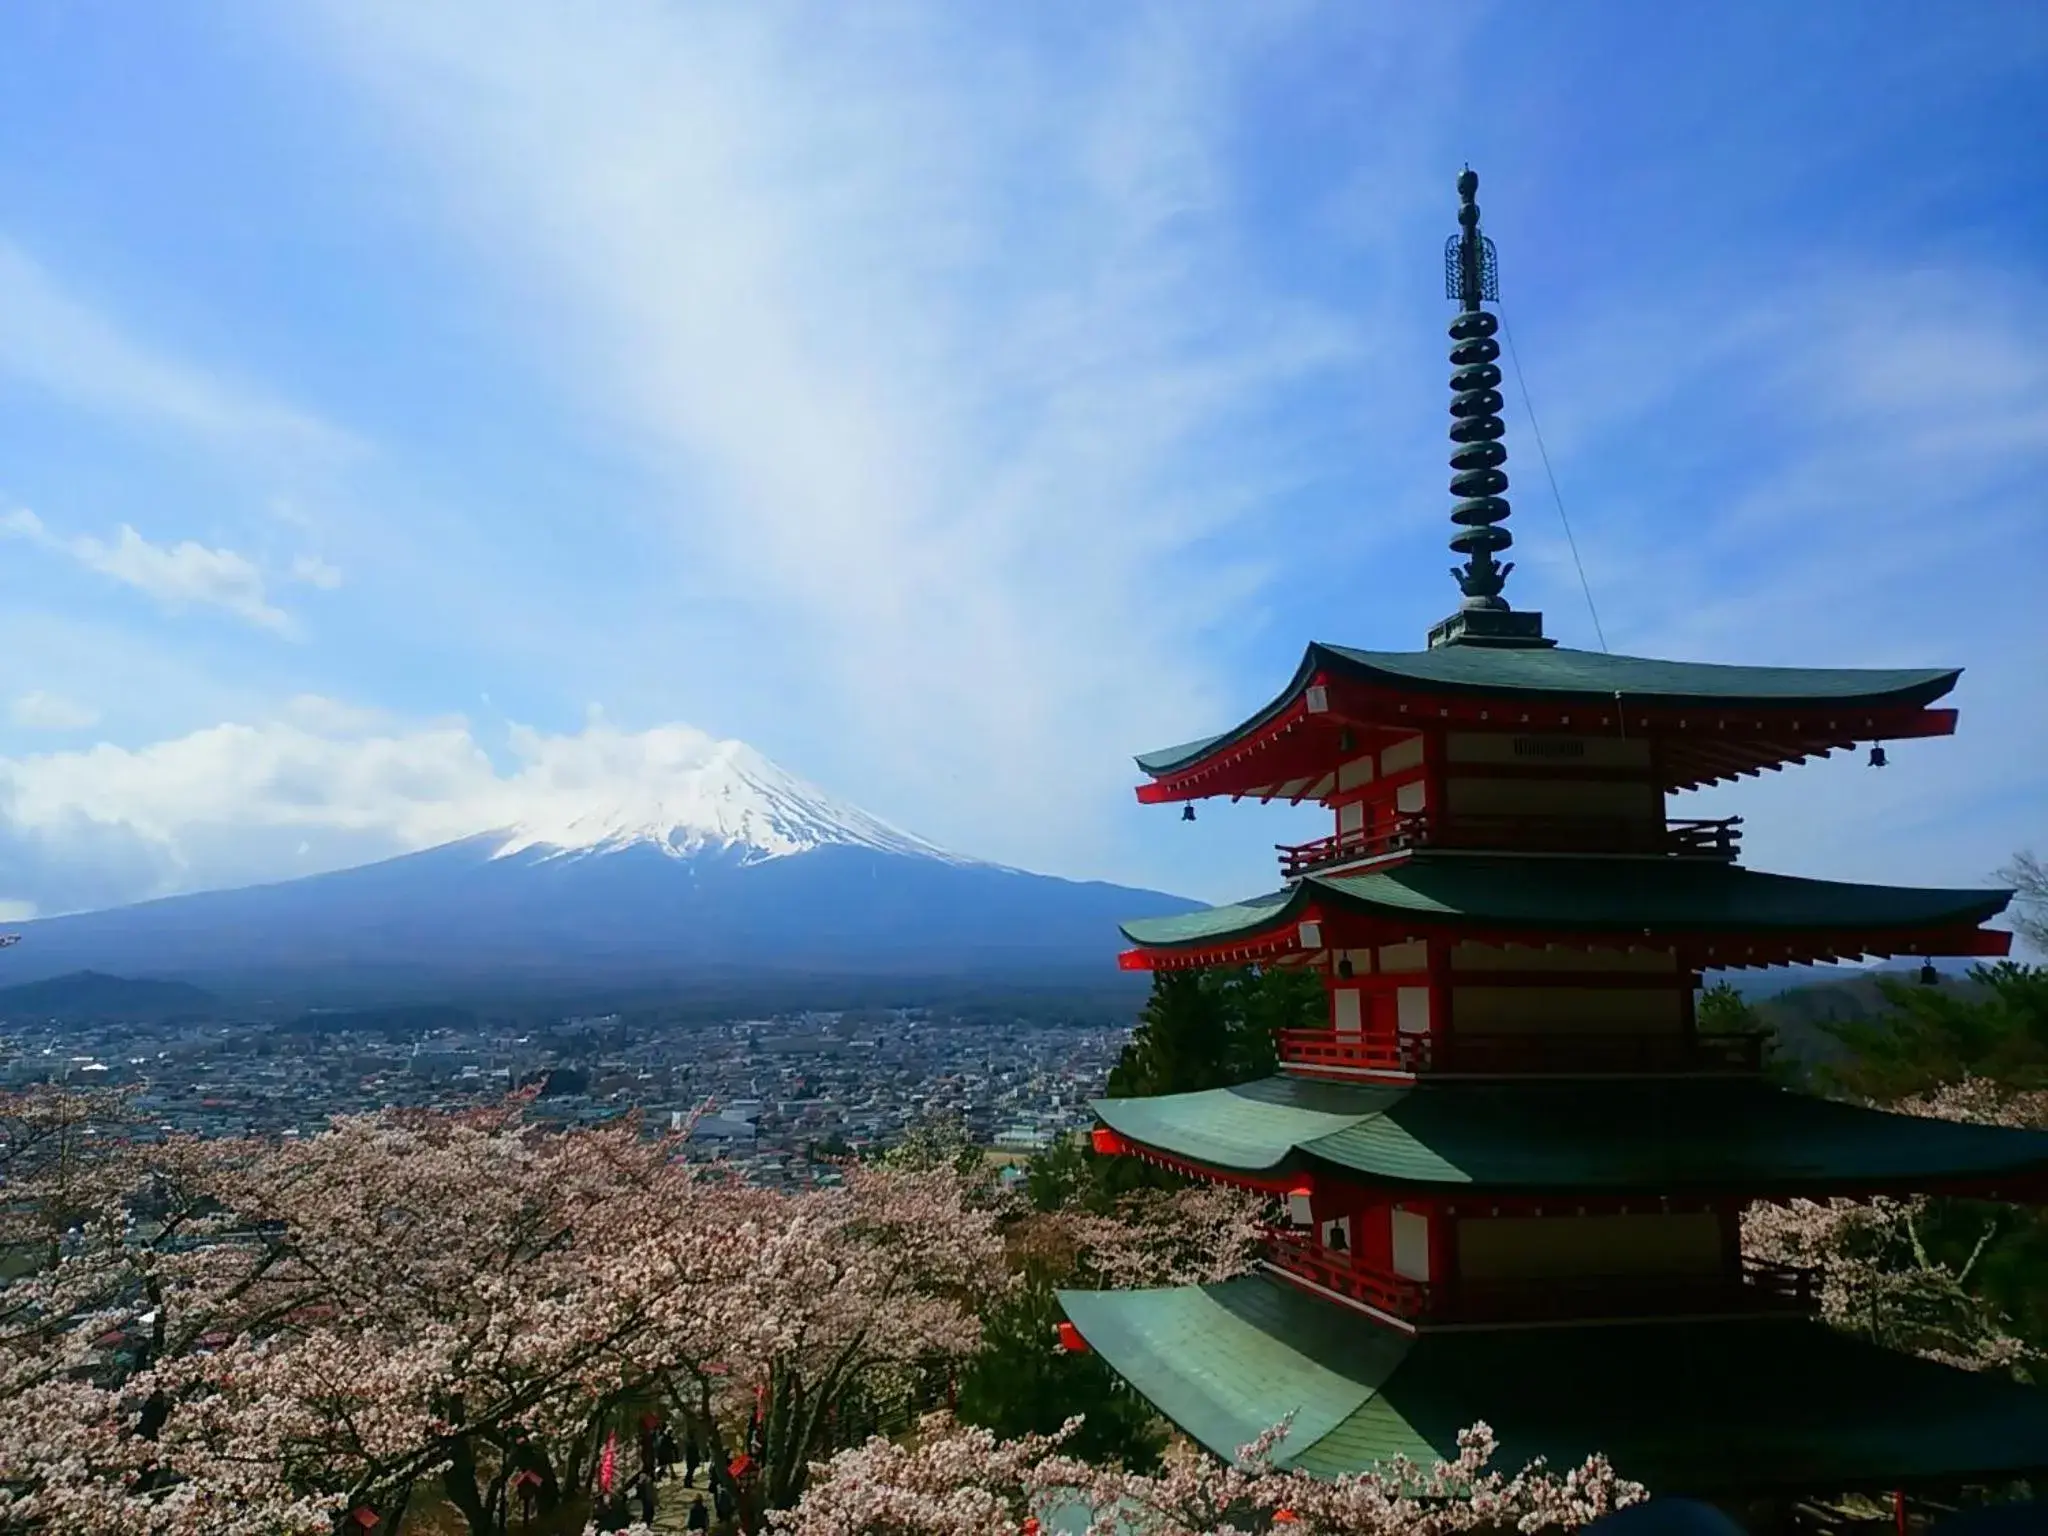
(1471, 276)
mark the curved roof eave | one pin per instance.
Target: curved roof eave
(1172, 759)
(1561, 673)
(1665, 1137)
(1592, 895)
(1255, 914)
(1742, 1406)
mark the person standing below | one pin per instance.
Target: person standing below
(690, 1459)
(665, 1451)
(646, 1490)
(723, 1502)
(700, 1517)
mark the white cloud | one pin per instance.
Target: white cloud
(180, 576)
(415, 787)
(60, 342)
(38, 710)
(320, 786)
(954, 354)
(332, 717)
(315, 572)
(1848, 471)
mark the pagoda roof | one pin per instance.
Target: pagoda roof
(1652, 1136)
(1536, 893)
(1682, 1407)
(1842, 705)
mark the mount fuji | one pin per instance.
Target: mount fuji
(714, 864)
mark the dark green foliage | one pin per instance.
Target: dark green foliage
(1022, 1382)
(1935, 1035)
(1059, 1176)
(1209, 1029)
(1182, 1042)
(1721, 1010)
(1070, 1175)
(93, 995)
(1199, 1030)
(1939, 1034)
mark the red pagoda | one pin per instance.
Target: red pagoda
(1513, 1167)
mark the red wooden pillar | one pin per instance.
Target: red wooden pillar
(1443, 1250)
(1440, 1024)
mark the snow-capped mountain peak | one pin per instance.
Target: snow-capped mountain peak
(687, 795)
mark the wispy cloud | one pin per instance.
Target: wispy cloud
(1838, 468)
(959, 374)
(63, 343)
(38, 710)
(316, 572)
(179, 576)
(953, 400)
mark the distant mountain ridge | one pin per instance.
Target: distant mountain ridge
(723, 862)
(96, 995)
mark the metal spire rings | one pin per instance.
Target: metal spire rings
(1472, 277)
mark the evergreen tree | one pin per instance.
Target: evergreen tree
(1721, 1010)
(1022, 1382)
(1937, 1035)
(1059, 1176)
(1182, 1043)
(1209, 1029)
(1942, 1034)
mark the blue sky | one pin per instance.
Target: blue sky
(396, 400)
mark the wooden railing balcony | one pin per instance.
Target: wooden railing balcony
(1301, 1255)
(1539, 834)
(1760, 1288)
(1354, 1050)
(1771, 1289)
(1387, 1050)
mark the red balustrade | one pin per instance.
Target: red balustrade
(1387, 1050)
(1760, 1288)
(1366, 1051)
(1302, 1256)
(1689, 838)
(1597, 1051)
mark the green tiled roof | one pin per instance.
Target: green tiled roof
(1561, 674)
(1653, 1136)
(1684, 1408)
(1698, 895)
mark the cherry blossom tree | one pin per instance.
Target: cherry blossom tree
(296, 1330)
(1883, 1278)
(867, 1289)
(1197, 1235)
(954, 1481)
